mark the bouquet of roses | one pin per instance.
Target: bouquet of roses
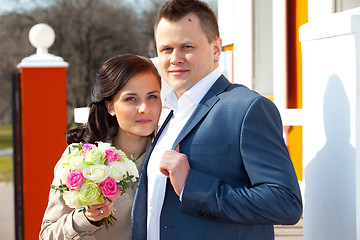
(89, 174)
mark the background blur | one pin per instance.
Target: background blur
(87, 33)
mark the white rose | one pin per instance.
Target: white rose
(74, 152)
(122, 154)
(61, 175)
(132, 169)
(117, 170)
(96, 173)
(71, 199)
(104, 146)
(77, 163)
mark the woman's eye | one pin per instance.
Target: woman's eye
(153, 97)
(130, 99)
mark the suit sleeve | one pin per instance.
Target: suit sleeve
(272, 195)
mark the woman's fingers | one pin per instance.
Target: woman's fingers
(99, 211)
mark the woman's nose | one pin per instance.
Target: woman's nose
(143, 107)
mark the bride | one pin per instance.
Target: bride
(124, 111)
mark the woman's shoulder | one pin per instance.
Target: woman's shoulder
(60, 166)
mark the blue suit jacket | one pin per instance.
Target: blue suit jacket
(241, 181)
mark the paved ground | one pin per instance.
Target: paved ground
(7, 218)
(293, 232)
(6, 152)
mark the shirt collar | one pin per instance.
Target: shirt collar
(196, 93)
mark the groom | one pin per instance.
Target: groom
(218, 168)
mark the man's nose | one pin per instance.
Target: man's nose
(177, 57)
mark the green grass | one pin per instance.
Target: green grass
(5, 136)
(6, 162)
(6, 169)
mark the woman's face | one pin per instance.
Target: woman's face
(137, 106)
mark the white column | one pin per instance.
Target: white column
(279, 53)
(226, 28)
(318, 9)
(226, 21)
(243, 42)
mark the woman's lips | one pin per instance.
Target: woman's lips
(144, 121)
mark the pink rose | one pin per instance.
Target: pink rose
(111, 156)
(86, 148)
(109, 188)
(75, 180)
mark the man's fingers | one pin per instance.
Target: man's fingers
(177, 148)
(164, 171)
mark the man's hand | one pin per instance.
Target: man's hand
(175, 166)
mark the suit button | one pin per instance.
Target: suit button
(168, 226)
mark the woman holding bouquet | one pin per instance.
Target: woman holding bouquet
(124, 111)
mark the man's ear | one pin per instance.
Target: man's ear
(110, 107)
(217, 48)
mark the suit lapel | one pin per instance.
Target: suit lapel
(139, 210)
(156, 139)
(208, 101)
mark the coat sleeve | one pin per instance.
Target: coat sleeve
(272, 195)
(61, 221)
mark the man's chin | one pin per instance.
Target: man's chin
(177, 84)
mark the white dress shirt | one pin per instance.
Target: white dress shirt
(182, 110)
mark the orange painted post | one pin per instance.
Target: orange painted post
(43, 124)
(297, 14)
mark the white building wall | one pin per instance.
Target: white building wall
(248, 25)
(331, 79)
(257, 28)
(263, 48)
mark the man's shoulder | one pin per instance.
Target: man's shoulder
(235, 92)
(239, 91)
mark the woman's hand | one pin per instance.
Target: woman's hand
(97, 212)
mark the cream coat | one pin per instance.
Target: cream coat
(62, 222)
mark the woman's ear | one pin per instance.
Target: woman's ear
(110, 107)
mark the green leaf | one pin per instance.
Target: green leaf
(132, 158)
(61, 188)
(109, 220)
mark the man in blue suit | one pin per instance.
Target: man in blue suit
(219, 167)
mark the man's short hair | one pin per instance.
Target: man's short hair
(175, 10)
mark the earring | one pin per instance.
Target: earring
(112, 114)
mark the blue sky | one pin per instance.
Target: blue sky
(23, 5)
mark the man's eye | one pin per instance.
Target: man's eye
(167, 50)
